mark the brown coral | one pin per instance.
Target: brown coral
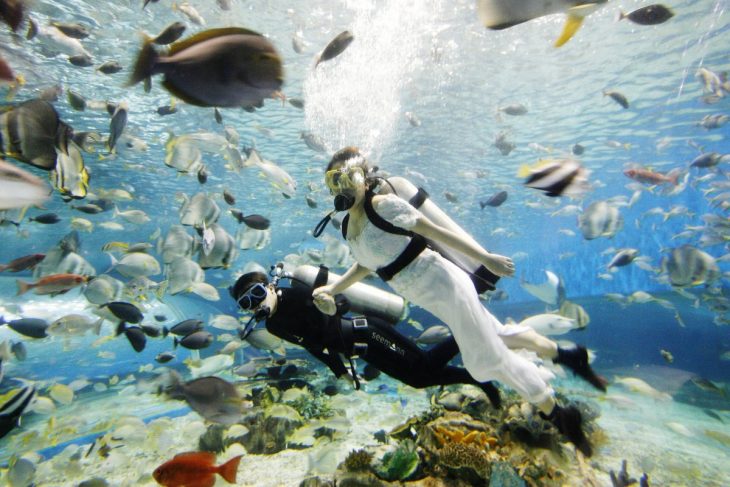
(461, 455)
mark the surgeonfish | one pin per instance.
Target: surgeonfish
(19, 188)
(649, 15)
(29, 327)
(37, 131)
(557, 177)
(551, 291)
(214, 399)
(502, 14)
(195, 468)
(252, 67)
(495, 200)
(13, 408)
(335, 47)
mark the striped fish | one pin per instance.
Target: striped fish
(557, 177)
(10, 411)
(31, 132)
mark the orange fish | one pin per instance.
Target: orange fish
(54, 284)
(195, 469)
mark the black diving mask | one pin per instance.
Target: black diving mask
(344, 201)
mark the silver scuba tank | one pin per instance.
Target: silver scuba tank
(364, 299)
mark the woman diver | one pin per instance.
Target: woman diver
(388, 235)
(290, 314)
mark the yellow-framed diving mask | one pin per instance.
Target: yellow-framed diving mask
(344, 178)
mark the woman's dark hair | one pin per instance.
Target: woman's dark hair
(245, 282)
(351, 152)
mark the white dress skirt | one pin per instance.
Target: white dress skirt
(444, 290)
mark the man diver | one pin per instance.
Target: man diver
(290, 314)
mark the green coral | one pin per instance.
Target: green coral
(358, 460)
(400, 463)
(312, 407)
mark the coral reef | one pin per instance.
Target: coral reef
(358, 460)
(400, 463)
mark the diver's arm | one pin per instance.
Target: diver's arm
(354, 274)
(498, 264)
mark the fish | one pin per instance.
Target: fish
(125, 311)
(257, 222)
(707, 385)
(27, 262)
(434, 334)
(709, 159)
(502, 144)
(81, 60)
(641, 387)
(136, 264)
(335, 47)
(557, 177)
(213, 398)
(37, 131)
(74, 325)
(197, 340)
(195, 469)
(715, 121)
(166, 110)
(549, 324)
(278, 177)
(53, 284)
(190, 12)
(138, 217)
(576, 313)
(600, 220)
(515, 109)
(169, 34)
(623, 257)
(688, 266)
(199, 210)
(649, 15)
(617, 97)
(29, 327)
(503, 14)
(70, 176)
(110, 67)
(552, 291)
(648, 176)
(223, 252)
(495, 200)
(6, 73)
(13, 408)
(76, 101)
(667, 356)
(19, 188)
(53, 39)
(251, 67)
(72, 29)
(12, 12)
(577, 149)
(228, 197)
(46, 218)
(186, 327)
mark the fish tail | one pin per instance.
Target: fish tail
(23, 287)
(120, 328)
(97, 326)
(144, 64)
(572, 24)
(621, 15)
(229, 469)
(165, 331)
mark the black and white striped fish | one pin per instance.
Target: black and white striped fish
(557, 177)
(10, 411)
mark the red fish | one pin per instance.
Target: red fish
(53, 284)
(195, 469)
(647, 176)
(22, 263)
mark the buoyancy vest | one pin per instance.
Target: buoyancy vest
(482, 278)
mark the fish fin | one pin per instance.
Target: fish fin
(229, 469)
(97, 326)
(202, 456)
(145, 62)
(209, 34)
(572, 24)
(187, 98)
(23, 287)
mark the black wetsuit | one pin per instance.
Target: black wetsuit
(297, 320)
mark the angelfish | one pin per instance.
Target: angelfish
(10, 411)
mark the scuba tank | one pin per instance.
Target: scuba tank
(364, 299)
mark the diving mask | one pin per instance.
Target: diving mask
(253, 297)
(344, 178)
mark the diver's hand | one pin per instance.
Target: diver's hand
(500, 265)
(324, 301)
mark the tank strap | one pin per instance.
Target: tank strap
(343, 225)
(419, 198)
(322, 276)
(378, 220)
(414, 248)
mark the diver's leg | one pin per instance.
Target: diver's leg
(443, 352)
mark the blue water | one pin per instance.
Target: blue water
(434, 59)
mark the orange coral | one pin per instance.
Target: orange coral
(473, 437)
